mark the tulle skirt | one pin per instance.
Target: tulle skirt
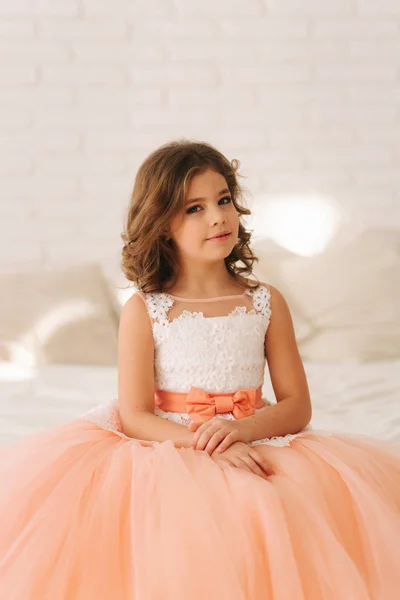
(88, 515)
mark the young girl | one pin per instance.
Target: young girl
(191, 485)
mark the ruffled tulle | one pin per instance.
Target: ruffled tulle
(88, 515)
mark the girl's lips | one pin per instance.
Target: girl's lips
(220, 238)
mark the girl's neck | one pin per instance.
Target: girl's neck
(234, 289)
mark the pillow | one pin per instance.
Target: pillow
(120, 289)
(63, 316)
(351, 295)
(268, 269)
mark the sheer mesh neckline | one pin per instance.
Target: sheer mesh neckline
(164, 308)
(206, 299)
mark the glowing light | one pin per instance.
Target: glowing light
(123, 295)
(12, 371)
(303, 225)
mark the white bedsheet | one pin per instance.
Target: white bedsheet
(359, 398)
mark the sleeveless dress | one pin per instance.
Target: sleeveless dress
(90, 513)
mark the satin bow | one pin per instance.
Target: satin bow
(200, 406)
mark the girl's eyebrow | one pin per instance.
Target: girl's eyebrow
(224, 191)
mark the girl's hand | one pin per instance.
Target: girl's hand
(242, 456)
(216, 434)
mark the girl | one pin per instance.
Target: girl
(190, 484)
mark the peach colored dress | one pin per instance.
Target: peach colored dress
(91, 514)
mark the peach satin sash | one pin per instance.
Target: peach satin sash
(201, 405)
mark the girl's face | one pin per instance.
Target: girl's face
(212, 213)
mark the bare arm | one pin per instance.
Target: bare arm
(293, 409)
(136, 380)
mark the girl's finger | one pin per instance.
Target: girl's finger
(240, 464)
(215, 441)
(204, 439)
(253, 465)
(258, 470)
(228, 441)
(262, 462)
(210, 429)
(203, 427)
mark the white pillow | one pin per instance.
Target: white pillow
(120, 289)
(351, 296)
(62, 316)
(268, 269)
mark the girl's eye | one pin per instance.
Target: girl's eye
(190, 210)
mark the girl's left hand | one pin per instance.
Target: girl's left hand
(216, 434)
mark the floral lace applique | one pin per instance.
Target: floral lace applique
(261, 298)
(158, 305)
(106, 416)
(277, 440)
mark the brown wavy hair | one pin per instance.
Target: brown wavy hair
(149, 258)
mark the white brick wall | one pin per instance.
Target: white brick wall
(306, 93)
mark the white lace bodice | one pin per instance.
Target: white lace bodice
(218, 353)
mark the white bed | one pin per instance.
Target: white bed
(348, 397)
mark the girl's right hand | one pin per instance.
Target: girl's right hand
(243, 456)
